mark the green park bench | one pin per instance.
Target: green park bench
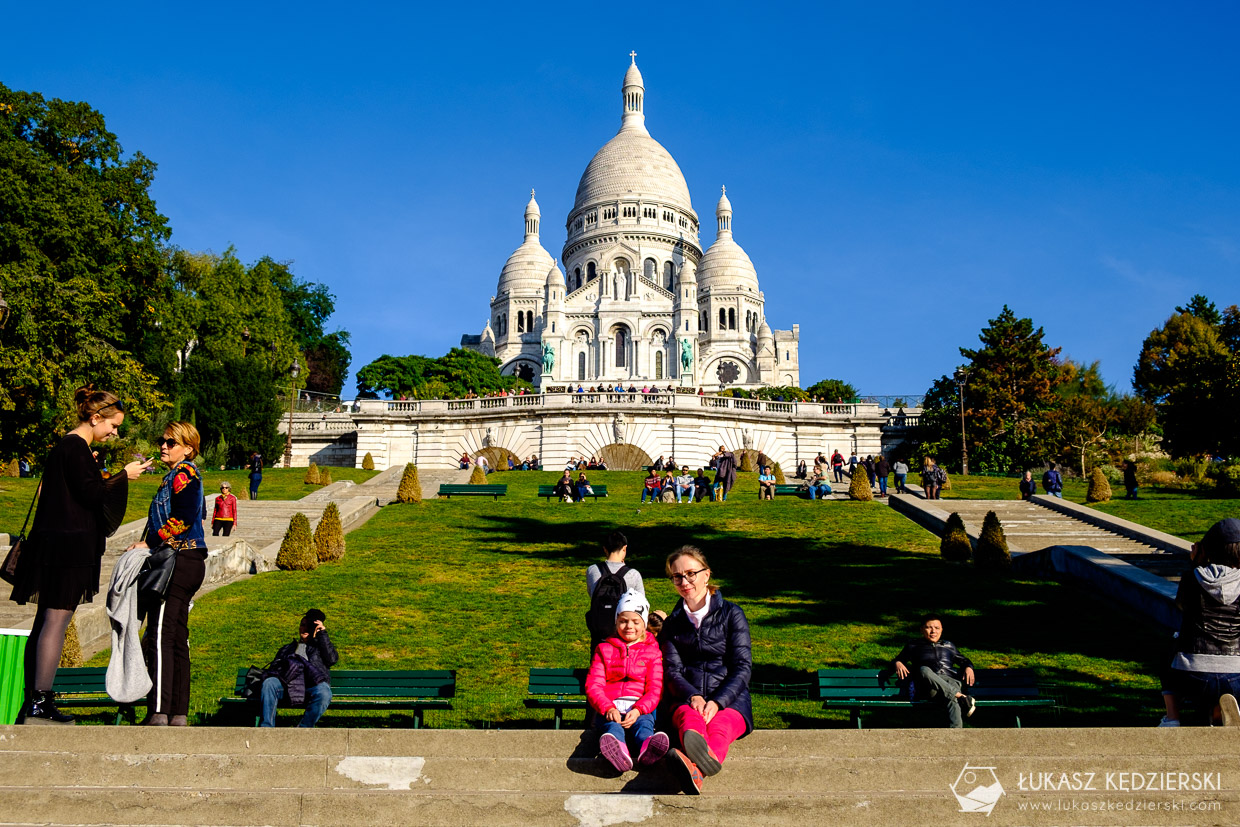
(790, 490)
(548, 491)
(409, 689)
(449, 491)
(858, 689)
(557, 689)
(84, 687)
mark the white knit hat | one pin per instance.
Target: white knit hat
(633, 602)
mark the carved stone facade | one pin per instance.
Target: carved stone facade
(638, 301)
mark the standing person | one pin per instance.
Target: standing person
(60, 562)
(707, 665)
(930, 478)
(837, 465)
(1052, 482)
(868, 465)
(881, 469)
(301, 672)
(605, 582)
(1130, 480)
(256, 474)
(900, 469)
(1027, 486)
(175, 519)
(938, 670)
(852, 464)
(725, 471)
(224, 516)
(623, 686)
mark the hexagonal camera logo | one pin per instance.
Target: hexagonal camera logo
(977, 789)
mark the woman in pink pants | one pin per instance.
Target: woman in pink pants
(707, 665)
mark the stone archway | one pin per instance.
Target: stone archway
(623, 457)
(497, 458)
(759, 458)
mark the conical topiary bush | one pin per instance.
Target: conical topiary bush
(368, 462)
(325, 477)
(71, 655)
(955, 546)
(859, 487)
(297, 551)
(747, 462)
(329, 535)
(312, 475)
(1099, 487)
(410, 490)
(779, 475)
(477, 477)
(992, 550)
(11, 469)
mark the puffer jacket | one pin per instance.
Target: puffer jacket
(1209, 597)
(713, 661)
(942, 657)
(622, 670)
(298, 673)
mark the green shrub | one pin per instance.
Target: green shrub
(1227, 480)
(1099, 488)
(779, 475)
(859, 487)
(410, 490)
(71, 655)
(747, 464)
(325, 477)
(955, 546)
(368, 462)
(329, 535)
(477, 476)
(992, 551)
(297, 551)
(312, 475)
(11, 469)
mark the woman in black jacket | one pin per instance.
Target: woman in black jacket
(707, 665)
(60, 567)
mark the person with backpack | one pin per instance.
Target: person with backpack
(930, 478)
(1052, 482)
(605, 582)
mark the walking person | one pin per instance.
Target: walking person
(1027, 486)
(60, 562)
(256, 474)
(900, 469)
(930, 478)
(881, 469)
(1130, 480)
(837, 465)
(224, 515)
(174, 519)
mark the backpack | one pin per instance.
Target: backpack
(940, 476)
(601, 618)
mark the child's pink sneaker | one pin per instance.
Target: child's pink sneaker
(615, 751)
(654, 749)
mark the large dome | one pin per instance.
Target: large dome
(633, 164)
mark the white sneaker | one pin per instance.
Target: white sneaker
(1231, 710)
(1168, 722)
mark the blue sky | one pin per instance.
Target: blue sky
(898, 171)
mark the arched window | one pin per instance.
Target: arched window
(701, 321)
(650, 268)
(581, 366)
(529, 320)
(669, 271)
(731, 318)
(590, 272)
(747, 327)
(622, 346)
(658, 364)
(503, 324)
(723, 319)
(577, 278)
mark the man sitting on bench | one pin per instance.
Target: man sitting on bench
(300, 671)
(934, 665)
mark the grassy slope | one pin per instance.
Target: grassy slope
(278, 484)
(493, 588)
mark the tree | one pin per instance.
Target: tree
(410, 489)
(992, 550)
(859, 486)
(1011, 383)
(477, 476)
(455, 374)
(1182, 371)
(1099, 487)
(955, 546)
(297, 551)
(81, 263)
(234, 398)
(312, 475)
(329, 535)
(832, 390)
(368, 462)
(308, 306)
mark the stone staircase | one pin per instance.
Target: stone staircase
(199, 775)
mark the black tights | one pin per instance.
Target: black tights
(43, 647)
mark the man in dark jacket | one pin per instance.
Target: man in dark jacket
(935, 666)
(300, 672)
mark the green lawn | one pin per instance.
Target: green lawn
(278, 484)
(494, 588)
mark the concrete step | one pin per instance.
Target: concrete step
(130, 775)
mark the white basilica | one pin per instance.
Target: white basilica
(641, 302)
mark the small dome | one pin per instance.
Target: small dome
(725, 265)
(531, 209)
(526, 268)
(633, 77)
(764, 330)
(555, 276)
(724, 205)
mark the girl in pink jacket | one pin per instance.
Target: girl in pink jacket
(624, 685)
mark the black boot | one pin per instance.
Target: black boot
(42, 710)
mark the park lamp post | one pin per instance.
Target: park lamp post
(292, 400)
(961, 376)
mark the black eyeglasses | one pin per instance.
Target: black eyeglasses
(167, 441)
(687, 577)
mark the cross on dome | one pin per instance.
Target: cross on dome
(633, 55)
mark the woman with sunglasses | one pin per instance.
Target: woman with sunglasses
(175, 519)
(59, 567)
(707, 665)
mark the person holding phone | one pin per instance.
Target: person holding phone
(300, 672)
